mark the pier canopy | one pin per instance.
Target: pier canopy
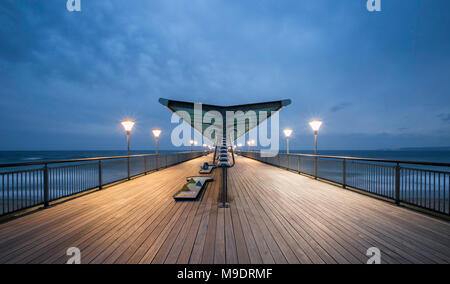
(213, 121)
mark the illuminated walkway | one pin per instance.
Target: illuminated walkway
(275, 216)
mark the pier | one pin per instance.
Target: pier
(275, 216)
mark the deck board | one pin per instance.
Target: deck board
(275, 216)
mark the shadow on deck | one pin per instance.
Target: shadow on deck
(275, 216)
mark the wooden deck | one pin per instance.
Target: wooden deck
(275, 216)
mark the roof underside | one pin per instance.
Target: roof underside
(208, 119)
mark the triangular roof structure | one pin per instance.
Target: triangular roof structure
(189, 112)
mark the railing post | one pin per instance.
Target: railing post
(299, 165)
(397, 184)
(145, 165)
(315, 167)
(100, 175)
(344, 173)
(129, 175)
(46, 186)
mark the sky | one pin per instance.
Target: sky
(378, 80)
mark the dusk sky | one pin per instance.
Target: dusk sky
(377, 80)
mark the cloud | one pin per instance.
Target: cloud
(340, 107)
(444, 117)
(116, 58)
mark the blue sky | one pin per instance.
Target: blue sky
(377, 80)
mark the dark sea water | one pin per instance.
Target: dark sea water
(7, 157)
(409, 155)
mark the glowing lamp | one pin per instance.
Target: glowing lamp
(128, 125)
(315, 125)
(287, 132)
(156, 132)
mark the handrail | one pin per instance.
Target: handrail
(421, 186)
(12, 165)
(23, 186)
(437, 164)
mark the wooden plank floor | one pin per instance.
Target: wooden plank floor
(275, 216)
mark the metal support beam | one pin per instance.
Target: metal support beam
(46, 186)
(344, 173)
(100, 175)
(224, 198)
(397, 184)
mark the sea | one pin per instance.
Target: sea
(440, 156)
(7, 157)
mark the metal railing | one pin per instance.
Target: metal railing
(422, 184)
(26, 185)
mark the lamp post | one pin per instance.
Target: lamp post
(239, 146)
(156, 133)
(249, 144)
(287, 133)
(128, 126)
(315, 125)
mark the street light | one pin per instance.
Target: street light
(128, 126)
(315, 125)
(287, 133)
(156, 133)
(250, 143)
(239, 146)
